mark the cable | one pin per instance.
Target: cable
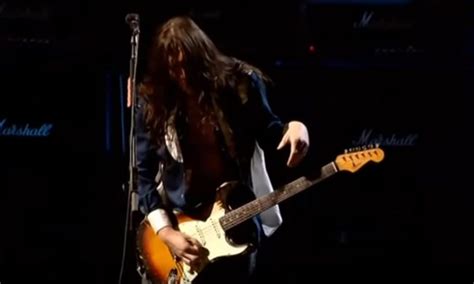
(124, 246)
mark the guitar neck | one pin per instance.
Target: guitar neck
(251, 209)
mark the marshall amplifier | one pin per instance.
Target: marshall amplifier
(363, 29)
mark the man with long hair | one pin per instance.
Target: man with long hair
(203, 119)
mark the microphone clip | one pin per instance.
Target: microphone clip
(133, 20)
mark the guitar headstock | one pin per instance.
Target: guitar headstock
(354, 159)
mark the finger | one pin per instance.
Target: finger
(295, 160)
(186, 260)
(190, 257)
(195, 266)
(204, 252)
(201, 251)
(195, 244)
(193, 241)
(283, 142)
(298, 155)
(293, 153)
(294, 147)
(192, 249)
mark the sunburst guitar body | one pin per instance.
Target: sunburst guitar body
(220, 240)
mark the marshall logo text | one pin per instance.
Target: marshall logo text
(369, 137)
(383, 22)
(25, 130)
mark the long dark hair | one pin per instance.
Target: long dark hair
(207, 70)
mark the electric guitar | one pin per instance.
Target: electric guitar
(212, 229)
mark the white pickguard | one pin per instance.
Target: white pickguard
(211, 235)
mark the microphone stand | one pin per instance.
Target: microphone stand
(132, 184)
(132, 204)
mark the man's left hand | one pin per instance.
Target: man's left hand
(298, 138)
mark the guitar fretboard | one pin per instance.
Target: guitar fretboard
(263, 203)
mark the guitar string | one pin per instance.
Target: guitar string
(245, 214)
(263, 204)
(180, 268)
(251, 207)
(178, 265)
(280, 195)
(268, 202)
(209, 228)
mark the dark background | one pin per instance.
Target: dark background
(408, 72)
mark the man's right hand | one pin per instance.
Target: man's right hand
(183, 246)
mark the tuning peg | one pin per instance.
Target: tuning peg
(345, 151)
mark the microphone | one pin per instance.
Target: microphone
(133, 20)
